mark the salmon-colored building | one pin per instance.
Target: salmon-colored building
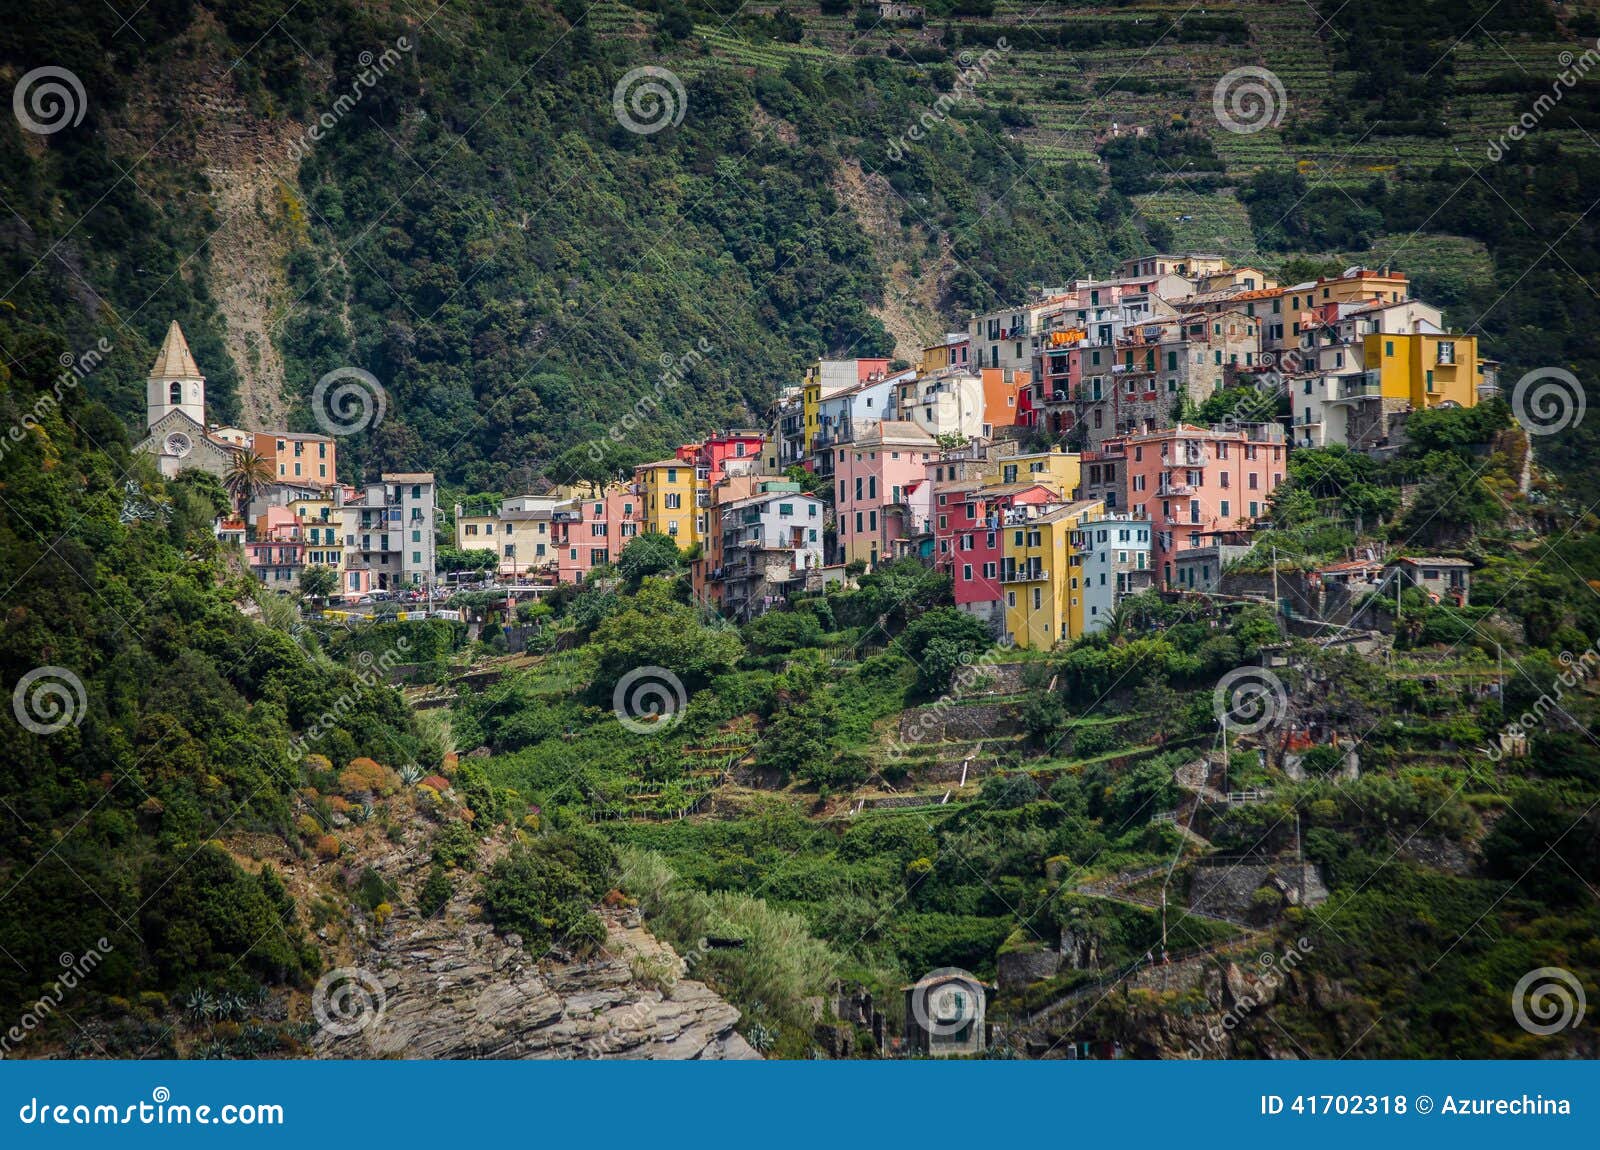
(1189, 480)
(593, 530)
(872, 475)
(299, 458)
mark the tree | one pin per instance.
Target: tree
(656, 631)
(318, 582)
(649, 554)
(247, 474)
(940, 642)
(478, 559)
(594, 464)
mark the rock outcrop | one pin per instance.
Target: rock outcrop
(450, 987)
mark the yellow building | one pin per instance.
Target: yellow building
(674, 495)
(1038, 573)
(952, 351)
(811, 406)
(1424, 369)
(323, 527)
(1060, 471)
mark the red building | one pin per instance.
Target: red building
(967, 538)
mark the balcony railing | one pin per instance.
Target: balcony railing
(1024, 575)
(1362, 386)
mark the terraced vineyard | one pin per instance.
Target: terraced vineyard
(1072, 80)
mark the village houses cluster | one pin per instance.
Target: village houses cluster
(291, 512)
(1048, 458)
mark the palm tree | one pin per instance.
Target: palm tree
(246, 474)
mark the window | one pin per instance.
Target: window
(785, 510)
(1388, 348)
(1447, 353)
(966, 572)
(1222, 508)
(175, 396)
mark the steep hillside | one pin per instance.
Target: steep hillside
(452, 199)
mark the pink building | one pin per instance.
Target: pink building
(872, 475)
(1190, 480)
(277, 554)
(593, 530)
(968, 541)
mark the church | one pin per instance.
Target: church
(175, 414)
(180, 438)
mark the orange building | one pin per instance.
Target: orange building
(298, 457)
(1003, 388)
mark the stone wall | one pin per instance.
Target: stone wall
(1019, 968)
(1227, 889)
(939, 723)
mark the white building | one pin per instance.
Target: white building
(388, 532)
(1111, 559)
(946, 403)
(769, 541)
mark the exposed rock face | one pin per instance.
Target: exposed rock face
(452, 988)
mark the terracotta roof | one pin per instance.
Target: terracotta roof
(173, 361)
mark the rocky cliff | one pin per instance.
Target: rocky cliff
(449, 987)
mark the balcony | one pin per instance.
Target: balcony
(1356, 388)
(1024, 575)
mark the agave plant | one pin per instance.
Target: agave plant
(761, 1037)
(199, 1004)
(411, 774)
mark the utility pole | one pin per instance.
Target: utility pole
(1277, 603)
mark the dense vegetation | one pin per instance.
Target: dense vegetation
(513, 264)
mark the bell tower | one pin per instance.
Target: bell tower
(175, 382)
